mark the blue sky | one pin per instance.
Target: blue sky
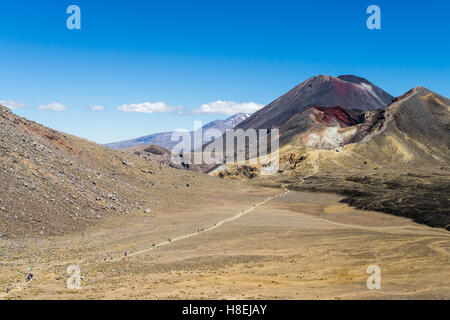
(190, 53)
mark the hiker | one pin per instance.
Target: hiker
(30, 275)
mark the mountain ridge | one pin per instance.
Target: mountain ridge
(348, 92)
(163, 139)
(395, 161)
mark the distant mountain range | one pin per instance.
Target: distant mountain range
(163, 139)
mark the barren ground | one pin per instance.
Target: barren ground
(297, 246)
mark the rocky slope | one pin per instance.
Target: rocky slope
(54, 183)
(397, 161)
(323, 112)
(152, 153)
(321, 128)
(348, 92)
(394, 160)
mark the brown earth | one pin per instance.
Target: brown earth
(297, 246)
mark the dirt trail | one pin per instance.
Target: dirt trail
(386, 229)
(21, 285)
(215, 226)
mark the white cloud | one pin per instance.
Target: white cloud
(147, 107)
(54, 106)
(97, 108)
(229, 107)
(13, 105)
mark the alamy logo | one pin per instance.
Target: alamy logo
(236, 146)
(74, 277)
(74, 20)
(374, 20)
(374, 281)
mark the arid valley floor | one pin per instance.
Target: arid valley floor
(296, 246)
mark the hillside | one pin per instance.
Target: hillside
(323, 112)
(412, 131)
(393, 160)
(151, 153)
(396, 161)
(53, 183)
(348, 92)
(321, 128)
